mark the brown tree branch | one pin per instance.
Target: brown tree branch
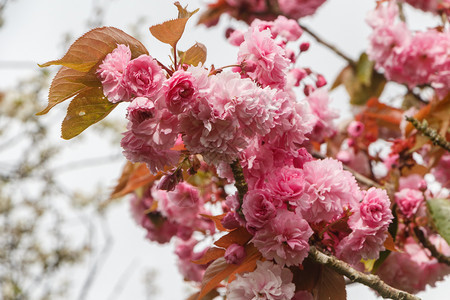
(240, 183)
(429, 132)
(369, 280)
(428, 245)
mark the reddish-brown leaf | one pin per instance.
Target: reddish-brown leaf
(306, 277)
(87, 108)
(67, 84)
(217, 220)
(133, 176)
(238, 236)
(220, 270)
(195, 55)
(213, 253)
(91, 48)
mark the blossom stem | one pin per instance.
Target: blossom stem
(240, 183)
(333, 48)
(429, 132)
(369, 280)
(170, 72)
(428, 245)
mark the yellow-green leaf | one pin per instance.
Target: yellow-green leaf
(364, 69)
(91, 48)
(87, 108)
(194, 55)
(440, 213)
(67, 84)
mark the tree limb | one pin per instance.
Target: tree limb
(429, 132)
(240, 183)
(428, 245)
(369, 280)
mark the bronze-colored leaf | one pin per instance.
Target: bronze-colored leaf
(87, 108)
(213, 253)
(238, 236)
(91, 48)
(169, 32)
(331, 286)
(195, 55)
(67, 84)
(183, 12)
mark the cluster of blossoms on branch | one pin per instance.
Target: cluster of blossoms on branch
(265, 125)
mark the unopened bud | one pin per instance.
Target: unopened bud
(235, 254)
(304, 47)
(308, 90)
(321, 81)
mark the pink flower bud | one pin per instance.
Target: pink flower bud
(304, 46)
(321, 81)
(355, 128)
(230, 221)
(308, 90)
(248, 66)
(235, 254)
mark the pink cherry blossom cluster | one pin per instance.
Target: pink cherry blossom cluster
(410, 58)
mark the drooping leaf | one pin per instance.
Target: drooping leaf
(213, 253)
(330, 285)
(134, 175)
(91, 48)
(67, 84)
(212, 14)
(364, 70)
(440, 212)
(170, 32)
(217, 221)
(194, 55)
(87, 108)
(238, 236)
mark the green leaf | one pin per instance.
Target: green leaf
(87, 108)
(170, 32)
(67, 84)
(361, 82)
(194, 55)
(91, 48)
(440, 212)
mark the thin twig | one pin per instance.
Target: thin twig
(328, 45)
(359, 177)
(429, 132)
(427, 244)
(369, 280)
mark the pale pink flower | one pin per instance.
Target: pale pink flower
(319, 102)
(293, 121)
(235, 254)
(258, 208)
(442, 171)
(408, 201)
(328, 190)
(236, 38)
(365, 243)
(413, 181)
(286, 184)
(179, 91)
(299, 8)
(413, 269)
(270, 58)
(186, 254)
(267, 282)
(143, 76)
(374, 211)
(287, 28)
(284, 239)
(137, 149)
(111, 74)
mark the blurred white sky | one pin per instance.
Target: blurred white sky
(34, 32)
